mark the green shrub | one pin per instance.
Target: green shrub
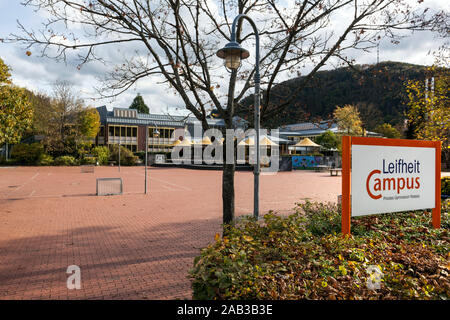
(286, 258)
(127, 157)
(65, 161)
(27, 153)
(445, 185)
(89, 160)
(102, 154)
(140, 155)
(320, 218)
(9, 162)
(45, 160)
(83, 148)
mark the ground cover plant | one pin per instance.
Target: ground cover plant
(304, 256)
(445, 186)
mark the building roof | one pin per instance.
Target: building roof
(124, 116)
(308, 129)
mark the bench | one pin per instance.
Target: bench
(321, 168)
(336, 171)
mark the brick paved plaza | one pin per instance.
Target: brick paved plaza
(132, 246)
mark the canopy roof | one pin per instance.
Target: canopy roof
(183, 143)
(306, 143)
(205, 141)
(263, 141)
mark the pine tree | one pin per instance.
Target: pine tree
(139, 105)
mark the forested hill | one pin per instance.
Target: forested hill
(378, 90)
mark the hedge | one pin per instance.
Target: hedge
(27, 153)
(304, 256)
(126, 156)
(65, 161)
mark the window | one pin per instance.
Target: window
(160, 143)
(128, 131)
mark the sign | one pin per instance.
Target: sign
(160, 158)
(389, 175)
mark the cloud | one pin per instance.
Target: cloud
(39, 73)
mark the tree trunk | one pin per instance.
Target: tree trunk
(228, 193)
(227, 184)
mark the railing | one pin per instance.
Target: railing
(122, 140)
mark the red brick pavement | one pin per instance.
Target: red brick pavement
(132, 246)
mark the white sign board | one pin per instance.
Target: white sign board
(392, 179)
(160, 158)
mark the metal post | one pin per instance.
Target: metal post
(258, 164)
(257, 122)
(257, 80)
(146, 156)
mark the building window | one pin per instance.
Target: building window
(163, 142)
(125, 135)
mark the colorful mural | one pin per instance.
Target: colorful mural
(304, 162)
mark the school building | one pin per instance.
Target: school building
(127, 127)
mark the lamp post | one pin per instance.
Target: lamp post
(155, 134)
(233, 53)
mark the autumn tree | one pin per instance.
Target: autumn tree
(429, 108)
(89, 123)
(139, 104)
(174, 42)
(348, 120)
(388, 131)
(16, 113)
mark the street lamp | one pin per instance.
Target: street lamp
(155, 134)
(233, 54)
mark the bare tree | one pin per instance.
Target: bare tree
(61, 118)
(176, 40)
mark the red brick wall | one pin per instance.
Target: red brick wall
(141, 138)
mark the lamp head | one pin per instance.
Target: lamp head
(233, 53)
(156, 133)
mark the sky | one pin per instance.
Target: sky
(38, 74)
